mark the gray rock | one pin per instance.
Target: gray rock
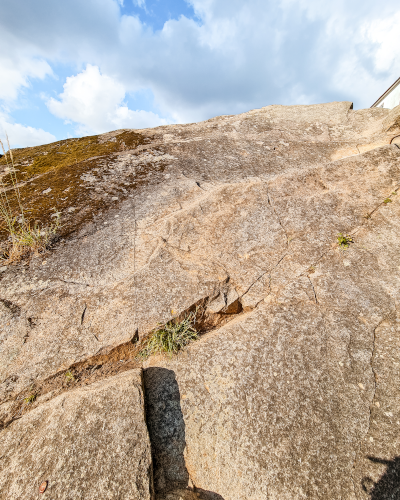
(88, 443)
(295, 396)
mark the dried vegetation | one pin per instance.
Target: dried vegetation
(171, 338)
(24, 237)
(49, 182)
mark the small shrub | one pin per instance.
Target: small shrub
(171, 338)
(344, 240)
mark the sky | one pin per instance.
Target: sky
(71, 68)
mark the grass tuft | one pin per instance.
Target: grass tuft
(344, 240)
(30, 399)
(69, 376)
(170, 339)
(27, 239)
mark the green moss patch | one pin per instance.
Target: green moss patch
(37, 160)
(58, 183)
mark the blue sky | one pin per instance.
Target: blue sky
(72, 68)
(155, 13)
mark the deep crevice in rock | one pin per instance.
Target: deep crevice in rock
(111, 361)
(166, 427)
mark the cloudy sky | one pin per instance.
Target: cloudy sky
(78, 67)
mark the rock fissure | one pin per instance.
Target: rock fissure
(70, 282)
(375, 381)
(269, 273)
(370, 214)
(375, 378)
(315, 294)
(109, 362)
(83, 314)
(279, 220)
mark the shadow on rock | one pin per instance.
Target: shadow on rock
(388, 486)
(167, 436)
(166, 429)
(188, 494)
(207, 495)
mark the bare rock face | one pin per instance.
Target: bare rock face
(292, 390)
(88, 443)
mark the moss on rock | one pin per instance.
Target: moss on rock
(51, 177)
(33, 161)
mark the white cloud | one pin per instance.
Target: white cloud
(94, 101)
(385, 33)
(236, 56)
(21, 135)
(16, 72)
(251, 54)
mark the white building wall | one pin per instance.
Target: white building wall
(391, 100)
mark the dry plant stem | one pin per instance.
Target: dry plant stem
(25, 239)
(5, 209)
(13, 177)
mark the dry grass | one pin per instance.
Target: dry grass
(173, 337)
(24, 238)
(27, 240)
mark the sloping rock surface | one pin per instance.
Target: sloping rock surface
(292, 390)
(89, 443)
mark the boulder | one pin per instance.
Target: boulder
(89, 443)
(296, 398)
(392, 122)
(279, 228)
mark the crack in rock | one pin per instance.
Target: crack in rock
(83, 316)
(315, 295)
(277, 216)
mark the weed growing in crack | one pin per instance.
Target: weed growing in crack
(69, 376)
(171, 338)
(24, 238)
(344, 240)
(30, 399)
(388, 200)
